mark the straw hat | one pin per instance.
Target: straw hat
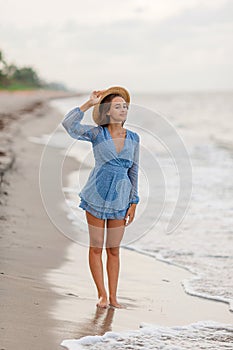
(112, 90)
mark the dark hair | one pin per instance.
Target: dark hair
(104, 108)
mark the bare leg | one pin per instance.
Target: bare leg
(115, 232)
(96, 234)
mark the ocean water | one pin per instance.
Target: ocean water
(202, 236)
(196, 336)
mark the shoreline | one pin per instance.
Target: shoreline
(185, 283)
(48, 293)
(27, 239)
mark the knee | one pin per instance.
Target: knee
(113, 251)
(96, 250)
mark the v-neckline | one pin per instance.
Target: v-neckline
(114, 143)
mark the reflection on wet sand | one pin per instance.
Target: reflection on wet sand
(99, 324)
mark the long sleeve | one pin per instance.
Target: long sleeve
(72, 124)
(133, 174)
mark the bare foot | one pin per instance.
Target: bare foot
(114, 303)
(103, 302)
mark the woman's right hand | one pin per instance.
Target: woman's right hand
(95, 96)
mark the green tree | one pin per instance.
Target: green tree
(15, 78)
(26, 75)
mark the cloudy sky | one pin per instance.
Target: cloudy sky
(144, 45)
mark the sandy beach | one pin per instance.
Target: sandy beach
(47, 293)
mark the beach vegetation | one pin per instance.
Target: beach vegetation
(13, 77)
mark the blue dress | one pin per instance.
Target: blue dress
(112, 185)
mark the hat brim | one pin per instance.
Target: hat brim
(112, 90)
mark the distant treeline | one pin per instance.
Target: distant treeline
(19, 78)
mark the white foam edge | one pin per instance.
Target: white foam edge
(145, 328)
(187, 282)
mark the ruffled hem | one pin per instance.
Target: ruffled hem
(120, 214)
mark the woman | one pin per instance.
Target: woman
(111, 191)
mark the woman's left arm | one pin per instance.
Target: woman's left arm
(133, 175)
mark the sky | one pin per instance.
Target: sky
(144, 45)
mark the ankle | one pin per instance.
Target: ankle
(112, 297)
(102, 295)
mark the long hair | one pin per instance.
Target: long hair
(104, 108)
